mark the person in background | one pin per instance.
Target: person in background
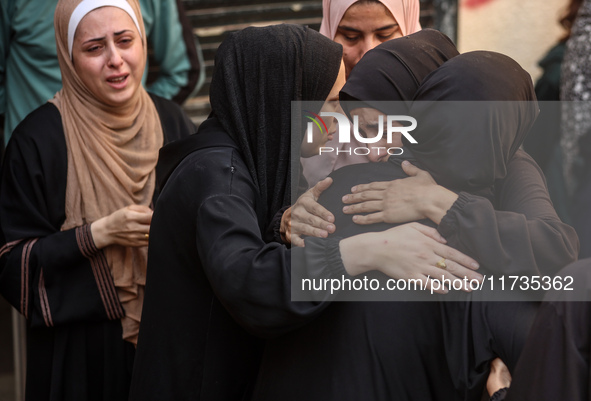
(75, 194)
(359, 26)
(543, 143)
(575, 92)
(29, 69)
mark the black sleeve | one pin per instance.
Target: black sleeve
(273, 232)
(50, 276)
(251, 278)
(500, 394)
(523, 237)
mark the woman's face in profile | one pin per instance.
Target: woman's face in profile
(363, 27)
(108, 55)
(330, 105)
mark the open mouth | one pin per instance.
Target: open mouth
(117, 80)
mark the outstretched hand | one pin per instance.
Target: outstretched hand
(409, 251)
(399, 201)
(307, 217)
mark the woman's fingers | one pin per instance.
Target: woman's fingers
(429, 232)
(446, 268)
(321, 186)
(433, 285)
(128, 226)
(305, 223)
(311, 212)
(457, 256)
(137, 234)
(364, 207)
(447, 280)
(410, 169)
(402, 200)
(142, 217)
(131, 225)
(461, 271)
(449, 263)
(369, 219)
(139, 208)
(372, 186)
(310, 218)
(307, 229)
(296, 240)
(363, 196)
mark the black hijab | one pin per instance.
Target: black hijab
(258, 73)
(473, 114)
(394, 70)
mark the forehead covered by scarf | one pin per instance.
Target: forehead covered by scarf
(473, 114)
(87, 6)
(405, 12)
(394, 70)
(258, 73)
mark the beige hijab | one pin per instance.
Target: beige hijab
(112, 154)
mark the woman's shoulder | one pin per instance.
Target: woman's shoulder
(216, 166)
(208, 173)
(45, 117)
(175, 122)
(37, 148)
(522, 160)
(42, 128)
(522, 170)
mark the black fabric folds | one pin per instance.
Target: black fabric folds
(473, 114)
(55, 278)
(465, 336)
(210, 135)
(397, 68)
(251, 90)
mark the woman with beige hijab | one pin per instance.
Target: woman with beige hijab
(76, 187)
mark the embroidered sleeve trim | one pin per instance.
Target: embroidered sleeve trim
(44, 300)
(25, 269)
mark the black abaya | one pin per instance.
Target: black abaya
(58, 279)
(212, 282)
(556, 361)
(431, 351)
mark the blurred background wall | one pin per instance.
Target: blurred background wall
(522, 29)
